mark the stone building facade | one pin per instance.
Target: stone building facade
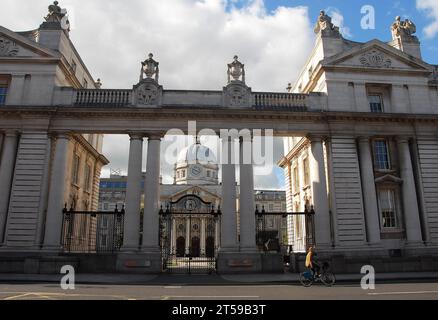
(379, 188)
(360, 126)
(32, 64)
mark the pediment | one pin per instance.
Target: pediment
(13, 45)
(388, 178)
(376, 55)
(196, 190)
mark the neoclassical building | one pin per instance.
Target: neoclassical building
(32, 65)
(380, 185)
(360, 129)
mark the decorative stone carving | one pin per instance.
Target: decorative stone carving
(8, 48)
(237, 94)
(403, 29)
(236, 71)
(149, 67)
(148, 93)
(56, 18)
(375, 59)
(55, 13)
(324, 24)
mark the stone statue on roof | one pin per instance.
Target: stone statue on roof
(404, 28)
(324, 23)
(55, 13)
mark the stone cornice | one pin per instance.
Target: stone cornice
(129, 113)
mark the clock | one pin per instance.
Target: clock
(196, 170)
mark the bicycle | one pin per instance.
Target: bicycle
(308, 278)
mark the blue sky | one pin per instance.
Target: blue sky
(385, 11)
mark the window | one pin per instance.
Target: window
(105, 206)
(271, 207)
(381, 155)
(87, 177)
(75, 174)
(3, 91)
(85, 84)
(388, 209)
(208, 174)
(296, 180)
(375, 102)
(183, 173)
(306, 172)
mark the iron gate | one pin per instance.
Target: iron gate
(189, 236)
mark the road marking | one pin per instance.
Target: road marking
(173, 287)
(55, 295)
(401, 293)
(211, 297)
(18, 296)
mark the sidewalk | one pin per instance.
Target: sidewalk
(166, 279)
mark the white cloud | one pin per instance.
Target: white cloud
(338, 20)
(192, 39)
(431, 7)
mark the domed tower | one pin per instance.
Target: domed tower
(196, 165)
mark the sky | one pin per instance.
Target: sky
(194, 40)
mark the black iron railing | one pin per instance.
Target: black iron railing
(274, 230)
(92, 232)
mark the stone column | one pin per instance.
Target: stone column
(52, 239)
(369, 191)
(7, 164)
(203, 238)
(247, 201)
(319, 190)
(229, 215)
(133, 195)
(152, 195)
(409, 194)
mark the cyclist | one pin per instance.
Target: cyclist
(311, 262)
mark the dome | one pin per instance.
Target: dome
(196, 153)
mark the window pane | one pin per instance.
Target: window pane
(388, 209)
(3, 93)
(381, 154)
(375, 102)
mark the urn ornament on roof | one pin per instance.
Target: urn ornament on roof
(150, 68)
(236, 71)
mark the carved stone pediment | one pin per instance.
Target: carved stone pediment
(388, 179)
(375, 59)
(237, 94)
(148, 93)
(8, 48)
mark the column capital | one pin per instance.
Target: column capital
(11, 133)
(364, 139)
(155, 135)
(61, 134)
(403, 139)
(316, 137)
(136, 135)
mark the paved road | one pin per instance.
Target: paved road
(427, 291)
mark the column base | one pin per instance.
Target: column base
(129, 249)
(238, 262)
(414, 244)
(139, 262)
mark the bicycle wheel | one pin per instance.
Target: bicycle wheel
(328, 279)
(305, 280)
